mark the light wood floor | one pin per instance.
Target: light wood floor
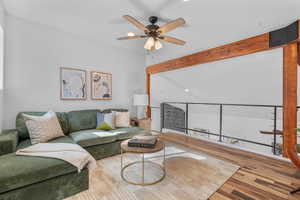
(259, 177)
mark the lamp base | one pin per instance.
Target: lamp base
(140, 112)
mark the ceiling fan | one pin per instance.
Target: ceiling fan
(154, 33)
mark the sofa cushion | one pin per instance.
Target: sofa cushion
(27, 143)
(82, 120)
(19, 171)
(126, 133)
(23, 131)
(93, 137)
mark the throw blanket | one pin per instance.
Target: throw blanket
(71, 153)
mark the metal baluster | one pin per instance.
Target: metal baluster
(143, 170)
(187, 118)
(221, 123)
(162, 115)
(274, 132)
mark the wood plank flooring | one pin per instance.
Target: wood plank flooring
(259, 177)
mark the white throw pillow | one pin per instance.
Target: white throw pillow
(43, 128)
(122, 119)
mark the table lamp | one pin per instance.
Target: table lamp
(140, 101)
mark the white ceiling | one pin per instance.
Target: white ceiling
(207, 20)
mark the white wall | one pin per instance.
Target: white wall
(34, 54)
(251, 79)
(2, 24)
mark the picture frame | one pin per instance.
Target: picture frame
(73, 84)
(101, 86)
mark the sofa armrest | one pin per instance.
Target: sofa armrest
(8, 141)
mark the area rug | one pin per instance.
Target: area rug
(189, 176)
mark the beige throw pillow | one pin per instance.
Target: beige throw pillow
(43, 128)
(122, 119)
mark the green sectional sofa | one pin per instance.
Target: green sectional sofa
(37, 178)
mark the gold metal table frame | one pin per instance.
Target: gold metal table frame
(143, 161)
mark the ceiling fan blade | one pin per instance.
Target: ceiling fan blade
(132, 37)
(135, 22)
(166, 20)
(171, 25)
(172, 40)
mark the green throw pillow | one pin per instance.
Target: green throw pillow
(105, 121)
(104, 126)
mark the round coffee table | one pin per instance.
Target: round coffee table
(160, 145)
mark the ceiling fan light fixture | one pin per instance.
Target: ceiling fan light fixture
(158, 45)
(153, 32)
(149, 43)
(130, 34)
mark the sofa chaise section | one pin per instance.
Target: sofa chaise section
(27, 178)
(18, 171)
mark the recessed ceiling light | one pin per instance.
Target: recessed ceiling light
(130, 34)
(186, 0)
(186, 90)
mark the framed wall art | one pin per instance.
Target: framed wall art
(73, 84)
(101, 86)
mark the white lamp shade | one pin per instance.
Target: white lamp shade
(140, 100)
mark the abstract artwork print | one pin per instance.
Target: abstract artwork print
(101, 86)
(72, 84)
